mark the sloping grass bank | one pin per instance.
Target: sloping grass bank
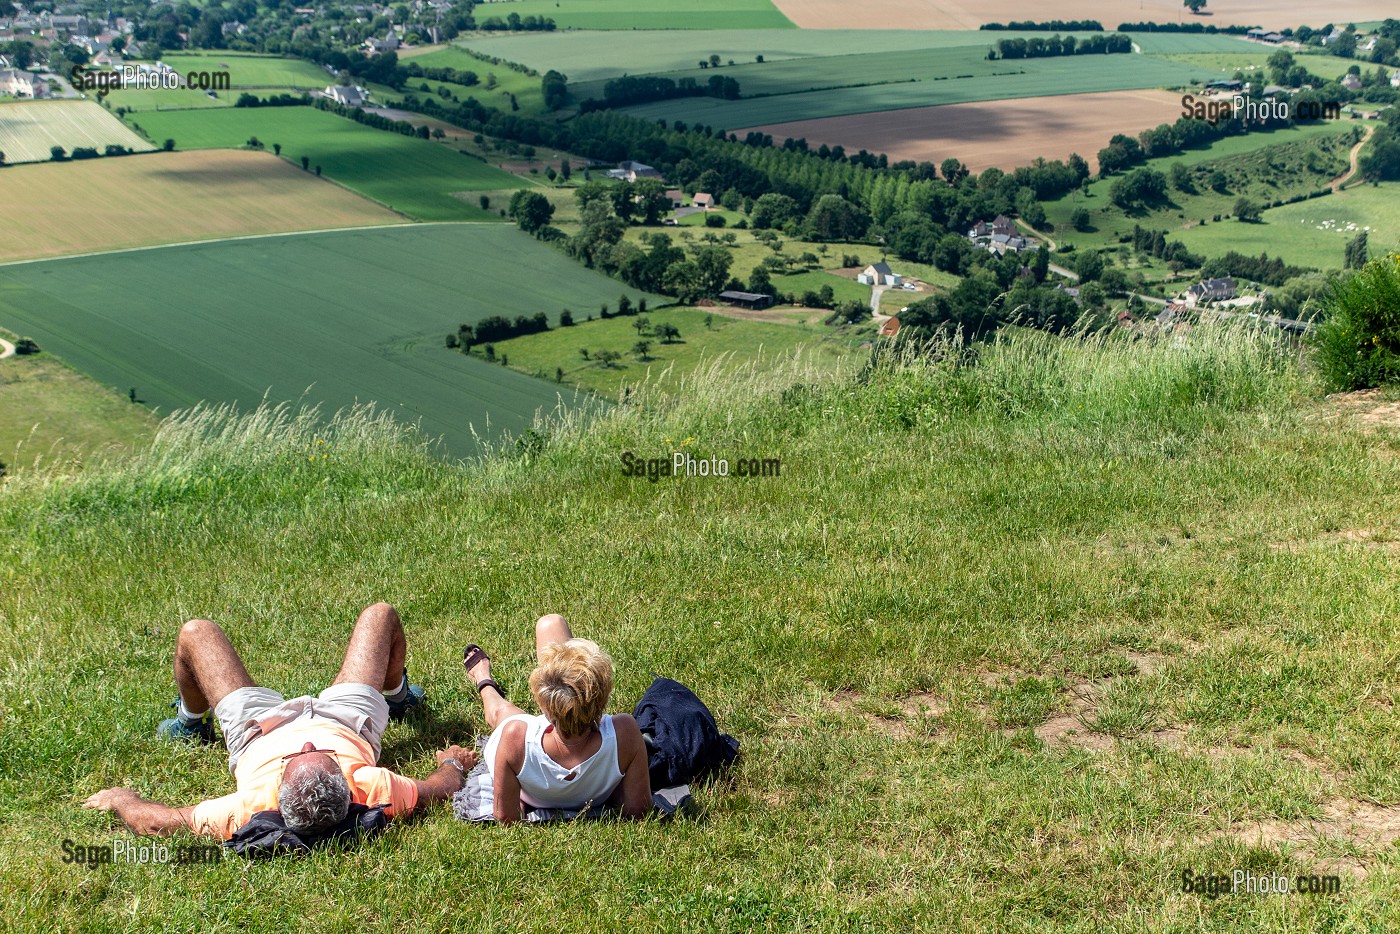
(1160, 542)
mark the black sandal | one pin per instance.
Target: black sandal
(470, 657)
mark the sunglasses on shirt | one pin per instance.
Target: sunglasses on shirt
(306, 752)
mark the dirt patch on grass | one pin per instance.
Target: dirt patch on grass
(1372, 539)
(896, 717)
(1005, 134)
(1368, 408)
(1328, 842)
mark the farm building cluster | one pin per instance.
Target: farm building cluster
(1000, 237)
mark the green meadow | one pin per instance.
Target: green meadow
(591, 56)
(645, 14)
(1310, 233)
(709, 342)
(51, 412)
(1011, 642)
(412, 176)
(250, 70)
(333, 318)
(926, 80)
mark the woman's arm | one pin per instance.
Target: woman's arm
(510, 759)
(634, 794)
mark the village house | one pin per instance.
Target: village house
(21, 83)
(631, 171)
(1209, 290)
(879, 274)
(390, 43)
(351, 96)
(703, 200)
(676, 197)
(1351, 82)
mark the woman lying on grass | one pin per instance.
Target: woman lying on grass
(572, 756)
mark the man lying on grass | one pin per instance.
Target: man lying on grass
(572, 756)
(308, 757)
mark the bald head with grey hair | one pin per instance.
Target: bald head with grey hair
(314, 795)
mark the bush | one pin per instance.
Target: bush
(1358, 345)
(714, 220)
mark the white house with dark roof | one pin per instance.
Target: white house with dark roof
(20, 83)
(879, 274)
(347, 96)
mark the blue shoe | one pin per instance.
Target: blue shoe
(411, 702)
(176, 730)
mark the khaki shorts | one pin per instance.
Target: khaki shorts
(248, 713)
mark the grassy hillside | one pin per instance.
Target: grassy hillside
(339, 317)
(1008, 646)
(50, 412)
(413, 176)
(648, 14)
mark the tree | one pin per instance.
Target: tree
(709, 322)
(1181, 178)
(714, 61)
(1080, 220)
(566, 318)
(559, 374)
(168, 145)
(1356, 251)
(835, 218)
(1088, 266)
(772, 210)
(2, 157)
(485, 202)
(640, 349)
(57, 153)
(531, 210)
(608, 358)
(583, 352)
(1196, 6)
(305, 163)
(277, 149)
(641, 324)
(668, 333)
(1247, 211)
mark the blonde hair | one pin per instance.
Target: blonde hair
(572, 684)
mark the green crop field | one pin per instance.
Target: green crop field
(342, 317)
(1310, 233)
(590, 56)
(723, 342)
(415, 177)
(924, 86)
(247, 70)
(644, 14)
(1180, 43)
(29, 130)
(50, 412)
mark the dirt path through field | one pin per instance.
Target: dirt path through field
(6, 349)
(1355, 159)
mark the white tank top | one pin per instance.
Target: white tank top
(545, 783)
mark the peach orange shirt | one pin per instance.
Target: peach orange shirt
(260, 772)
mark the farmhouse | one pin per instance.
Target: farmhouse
(22, 83)
(347, 96)
(879, 274)
(631, 171)
(1351, 82)
(389, 43)
(1209, 290)
(703, 200)
(676, 197)
(747, 299)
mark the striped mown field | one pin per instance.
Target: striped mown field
(30, 129)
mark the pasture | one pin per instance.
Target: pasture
(1005, 134)
(504, 81)
(248, 70)
(1310, 233)
(334, 318)
(168, 197)
(591, 56)
(930, 78)
(411, 176)
(29, 130)
(50, 412)
(644, 14)
(969, 14)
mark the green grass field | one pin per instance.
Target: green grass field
(1311, 233)
(726, 342)
(592, 56)
(922, 85)
(415, 177)
(1245, 160)
(249, 70)
(645, 14)
(342, 317)
(29, 130)
(50, 412)
(526, 88)
(1009, 644)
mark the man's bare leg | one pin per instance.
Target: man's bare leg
(377, 650)
(207, 667)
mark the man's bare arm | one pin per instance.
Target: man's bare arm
(149, 818)
(453, 764)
